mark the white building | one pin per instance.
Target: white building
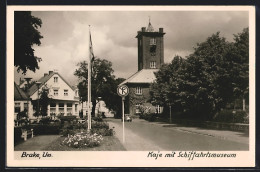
(64, 98)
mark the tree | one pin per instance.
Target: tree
(207, 80)
(26, 35)
(240, 60)
(44, 101)
(165, 90)
(103, 83)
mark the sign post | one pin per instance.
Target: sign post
(123, 91)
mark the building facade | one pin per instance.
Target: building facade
(64, 99)
(150, 45)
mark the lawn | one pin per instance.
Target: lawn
(109, 143)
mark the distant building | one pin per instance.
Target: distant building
(101, 109)
(21, 101)
(150, 59)
(64, 98)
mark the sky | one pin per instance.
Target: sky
(66, 36)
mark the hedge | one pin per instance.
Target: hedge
(231, 116)
(44, 129)
(17, 135)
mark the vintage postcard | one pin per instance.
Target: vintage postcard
(130, 86)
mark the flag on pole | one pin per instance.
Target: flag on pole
(91, 48)
(91, 57)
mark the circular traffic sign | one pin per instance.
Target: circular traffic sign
(122, 90)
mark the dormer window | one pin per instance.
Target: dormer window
(55, 79)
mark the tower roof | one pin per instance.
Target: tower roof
(150, 27)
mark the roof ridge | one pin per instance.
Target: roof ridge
(140, 73)
(19, 92)
(45, 79)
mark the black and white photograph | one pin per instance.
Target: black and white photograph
(131, 86)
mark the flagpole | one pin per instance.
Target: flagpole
(89, 85)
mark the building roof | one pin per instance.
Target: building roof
(43, 80)
(142, 76)
(19, 94)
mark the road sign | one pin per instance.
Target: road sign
(122, 90)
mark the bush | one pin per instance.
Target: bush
(149, 117)
(98, 119)
(83, 139)
(67, 118)
(22, 114)
(99, 125)
(45, 120)
(17, 135)
(103, 131)
(44, 129)
(231, 116)
(100, 128)
(23, 121)
(72, 127)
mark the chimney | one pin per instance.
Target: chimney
(50, 72)
(45, 74)
(161, 30)
(143, 29)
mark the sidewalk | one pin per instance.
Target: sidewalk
(37, 143)
(133, 142)
(223, 134)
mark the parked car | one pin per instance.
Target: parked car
(128, 118)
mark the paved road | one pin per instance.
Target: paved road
(146, 136)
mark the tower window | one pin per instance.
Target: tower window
(153, 65)
(138, 90)
(152, 41)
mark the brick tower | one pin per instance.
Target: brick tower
(150, 48)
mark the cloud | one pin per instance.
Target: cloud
(66, 36)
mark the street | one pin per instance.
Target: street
(141, 135)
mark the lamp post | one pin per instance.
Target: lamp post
(38, 86)
(170, 108)
(27, 88)
(99, 98)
